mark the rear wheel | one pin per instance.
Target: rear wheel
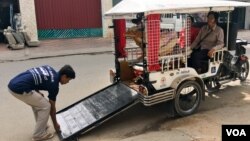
(244, 70)
(188, 98)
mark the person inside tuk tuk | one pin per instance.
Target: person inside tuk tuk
(136, 33)
(193, 32)
(209, 39)
(168, 39)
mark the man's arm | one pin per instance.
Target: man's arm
(53, 115)
(219, 43)
(220, 40)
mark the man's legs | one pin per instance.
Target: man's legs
(41, 109)
(36, 115)
(198, 59)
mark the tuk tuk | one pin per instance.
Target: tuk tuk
(152, 41)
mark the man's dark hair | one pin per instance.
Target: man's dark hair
(68, 71)
(216, 15)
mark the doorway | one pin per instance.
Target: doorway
(7, 9)
(238, 16)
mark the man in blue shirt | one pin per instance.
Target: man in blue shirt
(26, 86)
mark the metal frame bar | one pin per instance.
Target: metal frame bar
(186, 38)
(157, 97)
(228, 20)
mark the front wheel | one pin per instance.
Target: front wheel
(188, 98)
(244, 70)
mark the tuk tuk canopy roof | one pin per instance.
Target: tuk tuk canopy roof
(130, 7)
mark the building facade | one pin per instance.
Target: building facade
(247, 16)
(27, 10)
(46, 19)
(7, 8)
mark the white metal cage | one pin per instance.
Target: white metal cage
(167, 41)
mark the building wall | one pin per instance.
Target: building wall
(247, 22)
(106, 5)
(68, 14)
(68, 18)
(27, 10)
(247, 15)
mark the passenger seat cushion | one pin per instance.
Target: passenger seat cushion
(16, 46)
(10, 38)
(28, 41)
(19, 38)
(26, 36)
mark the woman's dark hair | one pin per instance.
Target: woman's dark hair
(138, 18)
(136, 21)
(216, 15)
(68, 71)
(191, 18)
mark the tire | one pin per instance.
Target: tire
(244, 70)
(186, 104)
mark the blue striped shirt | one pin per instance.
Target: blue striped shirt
(38, 78)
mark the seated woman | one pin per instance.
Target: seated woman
(192, 33)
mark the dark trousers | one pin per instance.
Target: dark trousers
(199, 60)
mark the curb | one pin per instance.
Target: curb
(53, 56)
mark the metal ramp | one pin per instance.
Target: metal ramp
(95, 109)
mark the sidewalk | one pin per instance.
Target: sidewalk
(244, 34)
(65, 47)
(57, 47)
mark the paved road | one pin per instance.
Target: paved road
(229, 106)
(16, 118)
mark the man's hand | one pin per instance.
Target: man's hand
(57, 127)
(53, 115)
(211, 52)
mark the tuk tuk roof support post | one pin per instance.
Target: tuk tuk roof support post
(228, 20)
(186, 39)
(144, 61)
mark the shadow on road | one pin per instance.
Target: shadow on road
(140, 119)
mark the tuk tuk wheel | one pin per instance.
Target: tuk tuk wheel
(244, 70)
(188, 98)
